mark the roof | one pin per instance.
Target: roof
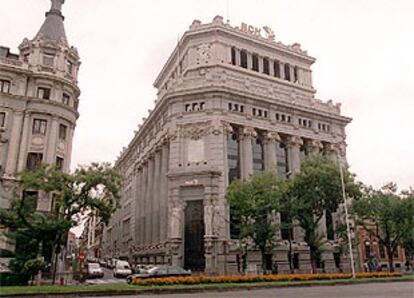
(53, 27)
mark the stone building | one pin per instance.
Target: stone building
(38, 106)
(231, 101)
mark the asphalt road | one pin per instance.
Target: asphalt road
(370, 290)
(107, 279)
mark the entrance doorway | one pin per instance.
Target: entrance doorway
(194, 236)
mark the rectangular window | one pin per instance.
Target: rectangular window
(69, 66)
(39, 126)
(48, 60)
(265, 66)
(34, 161)
(59, 163)
(4, 86)
(2, 119)
(30, 200)
(62, 132)
(65, 99)
(43, 93)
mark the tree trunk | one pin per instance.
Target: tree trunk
(390, 253)
(263, 252)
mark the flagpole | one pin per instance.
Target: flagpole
(348, 227)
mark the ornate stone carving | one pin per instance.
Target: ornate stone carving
(249, 132)
(197, 130)
(271, 136)
(204, 52)
(294, 141)
(315, 146)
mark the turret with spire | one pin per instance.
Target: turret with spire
(49, 50)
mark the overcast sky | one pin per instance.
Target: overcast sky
(364, 51)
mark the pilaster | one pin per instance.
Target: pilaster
(247, 134)
(11, 163)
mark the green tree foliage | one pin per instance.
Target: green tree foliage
(92, 189)
(315, 189)
(386, 215)
(252, 202)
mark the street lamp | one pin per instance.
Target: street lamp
(348, 227)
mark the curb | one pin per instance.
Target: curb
(195, 290)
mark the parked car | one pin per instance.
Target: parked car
(94, 270)
(141, 268)
(160, 271)
(122, 269)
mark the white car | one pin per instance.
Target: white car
(122, 269)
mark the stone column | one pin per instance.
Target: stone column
(269, 148)
(68, 147)
(143, 204)
(11, 162)
(149, 200)
(176, 227)
(24, 142)
(271, 68)
(209, 235)
(237, 57)
(249, 60)
(156, 198)
(282, 70)
(164, 193)
(246, 152)
(292, 73)
(260, 64)
(52, 140)
(138, 209)
(314, 147)
(293, 144)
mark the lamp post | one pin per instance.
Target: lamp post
(348, 228)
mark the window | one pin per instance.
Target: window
(276, 67)
(234, 225)
(43, 93)
(2, 119)
(255, 62)
(202, 104)
(233, 156)
(265, 65)
(233, 56)
(382, 250)
(34, 161)
(30, 200)
(243, 58)
(330, 233)
(59, 163)
(287, 72)
(282, 160)
(62, 132)
(4, 86)
(65, 98)
(76, 104)
(286, 226)
(258, 155)
(48, 60)
(295, 73)
(39, 126)
(69, 66)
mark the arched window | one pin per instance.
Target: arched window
(233, 56)
(255, 62)
(287, 72)
(243, 58)
(265, 65)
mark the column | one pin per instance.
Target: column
(282, 70)
(294, 143)
(156, 197)
(24, 142)
(164, 193)
(144, 188)
(149, 200)
(260, 64)
(237, 57)
(68, 152)
(138, 209)
(51, 141)
(249, 60)
(292, 73)
(271, 68)
(300, 79)
(314, 147)
(11, 162)
(246, 163)
(270, 140)
(209, 236)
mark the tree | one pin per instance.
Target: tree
(313, 191)
(252, 202)
(91, 189)
(387, 216)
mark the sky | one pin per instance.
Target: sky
(364, 51)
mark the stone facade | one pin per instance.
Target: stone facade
(231, 101)
(39, 97)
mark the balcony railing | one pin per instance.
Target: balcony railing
(13, 62)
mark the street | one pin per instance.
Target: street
(371, 290)
(107, 279)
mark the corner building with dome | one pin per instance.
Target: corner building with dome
(231, 101)
(39, 98)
